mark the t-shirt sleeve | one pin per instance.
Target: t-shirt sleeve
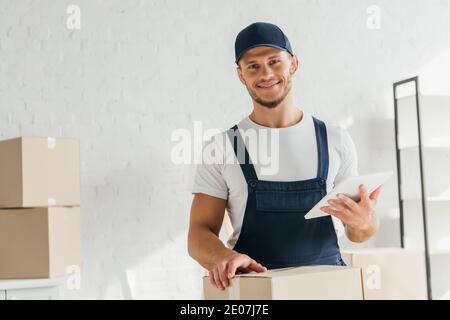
(208, 177)
(349, 158)
(348, 168)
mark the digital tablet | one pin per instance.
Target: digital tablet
(350, 187)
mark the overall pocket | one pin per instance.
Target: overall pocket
(287, 201)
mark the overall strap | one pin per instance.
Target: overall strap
(322, 148)
(241, 153)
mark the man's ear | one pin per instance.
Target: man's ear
(241, 78)
(294, 65)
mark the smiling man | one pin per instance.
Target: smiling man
(267, 210)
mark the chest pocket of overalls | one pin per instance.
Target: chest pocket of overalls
(287, 201)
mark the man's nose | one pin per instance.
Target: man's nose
(266, 71)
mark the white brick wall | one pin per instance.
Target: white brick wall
(137, 70)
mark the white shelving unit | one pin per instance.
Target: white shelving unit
(433, 111)
(31, 289)
(432, 138)
(436, 168)
(438, 212)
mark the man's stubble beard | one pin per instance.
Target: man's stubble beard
(271, 104)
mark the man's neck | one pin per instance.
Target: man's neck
(283, 116)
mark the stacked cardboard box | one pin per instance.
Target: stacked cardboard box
(39, 207)
(381, 273)
(301, 283)
(390, 273)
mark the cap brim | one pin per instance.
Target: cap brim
(260, 45)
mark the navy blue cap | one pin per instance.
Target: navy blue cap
(260, 34)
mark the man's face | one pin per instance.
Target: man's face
(267, 73)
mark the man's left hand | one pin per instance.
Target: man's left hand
(356, 215)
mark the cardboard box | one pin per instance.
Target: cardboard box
(301, 283)
(39, 242)
(39, 172)
(390, 273)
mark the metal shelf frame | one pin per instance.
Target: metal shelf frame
(415, 80)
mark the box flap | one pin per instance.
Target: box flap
(368, 251)
(283, 272)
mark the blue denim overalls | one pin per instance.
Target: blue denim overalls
(274, 231)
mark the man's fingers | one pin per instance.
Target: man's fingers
(339, 205)
(222, 270)
(335, 213)
(258, 267)
(245, 264)
(231, 268)
(363, 191)
(254, 266)
(217, 279)
(374, 195)
(364, 195)
(237, 262)
(250, 264)
(212, 279)
(352, 205)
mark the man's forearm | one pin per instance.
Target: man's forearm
(361, 235)
(206, 248)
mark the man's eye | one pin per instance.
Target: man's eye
(255, 66)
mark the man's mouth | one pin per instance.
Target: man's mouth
(268, 85)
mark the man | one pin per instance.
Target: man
(267, 210)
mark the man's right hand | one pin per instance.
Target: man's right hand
(223, 271)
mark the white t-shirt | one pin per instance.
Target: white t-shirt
(221, 176)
